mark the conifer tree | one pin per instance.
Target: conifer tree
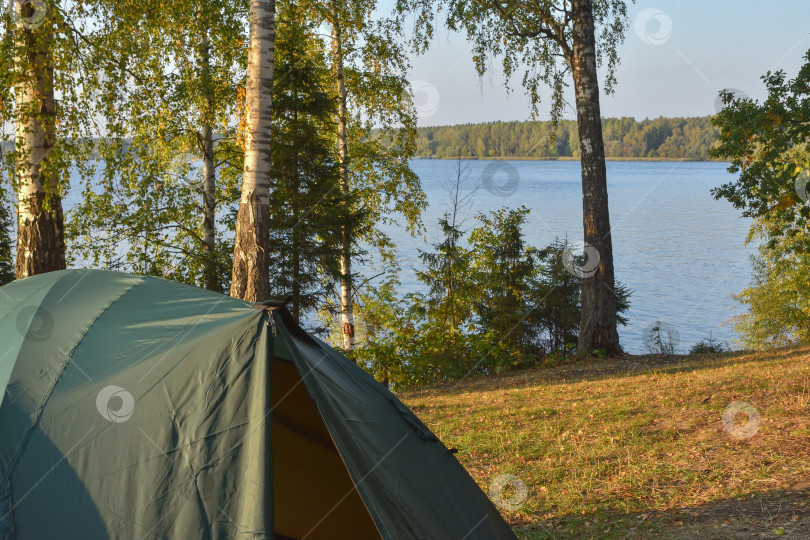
(304, 191)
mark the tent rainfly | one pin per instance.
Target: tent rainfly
(134, 407)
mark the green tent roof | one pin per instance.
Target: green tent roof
(135, 407)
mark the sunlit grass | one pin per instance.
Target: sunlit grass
(601, 444)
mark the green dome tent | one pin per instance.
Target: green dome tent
(134, 407)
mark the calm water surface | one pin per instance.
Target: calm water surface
(680, 251)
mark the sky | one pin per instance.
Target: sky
(676, 56)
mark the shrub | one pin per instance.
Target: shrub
(709, 345)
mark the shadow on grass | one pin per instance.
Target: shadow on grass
(592, 369)
(774, 514)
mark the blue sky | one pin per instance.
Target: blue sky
(675, 58)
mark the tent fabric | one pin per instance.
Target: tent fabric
(135, 407)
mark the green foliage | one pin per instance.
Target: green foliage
(779, 307)
(381, 123)
(555, 299)
(661, 138)
(708, 345)
(6, 240)
(491, 304)
(768, 146)
(177, 72)
(503, 268)
(304, 194)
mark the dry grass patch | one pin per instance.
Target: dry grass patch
(603, 442)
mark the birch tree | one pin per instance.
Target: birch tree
(375, 137)
(47, 108)
(168, 142)
(250, 279)
(40, 222)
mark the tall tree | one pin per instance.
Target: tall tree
(551, 38)
(40, 222)
(375, 136)
(338, 21)
(170, 156)
(447, 271)
(250, 280)
(305, 196)
(767, 144)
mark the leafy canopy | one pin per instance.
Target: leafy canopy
(533, 38)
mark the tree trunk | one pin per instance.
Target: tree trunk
(346, 286)
(295, 240)
(40, 223)
(597, 327)
(296, 276)
(210, 273)
(251, 280)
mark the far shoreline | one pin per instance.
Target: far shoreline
(567, 158)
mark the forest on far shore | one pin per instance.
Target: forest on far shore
(626, 137)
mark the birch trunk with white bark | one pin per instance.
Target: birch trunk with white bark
(250, 278)
(346, 285)
(40, 222)
(209, 191)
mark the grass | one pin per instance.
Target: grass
(637, 447)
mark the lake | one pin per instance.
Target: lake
(681, 252)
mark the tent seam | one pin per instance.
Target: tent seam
(5, 482)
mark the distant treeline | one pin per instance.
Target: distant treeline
(663, 138)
